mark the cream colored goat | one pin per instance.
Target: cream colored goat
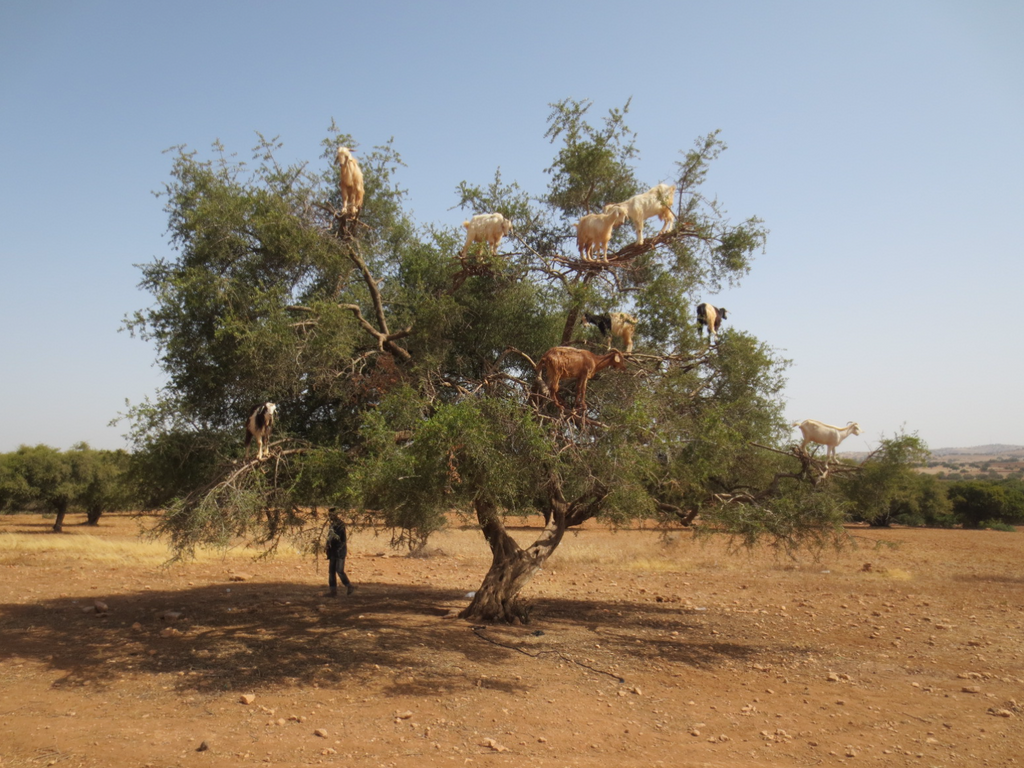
(595, 230)
(351, 182)
(486, 228)
(568, 363)
(657, 201)
(825, 434)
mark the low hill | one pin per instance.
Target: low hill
(991, 462)
(982, 450)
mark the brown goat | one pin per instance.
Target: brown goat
(567, 363)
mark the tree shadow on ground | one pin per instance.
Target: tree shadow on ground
(250, 636)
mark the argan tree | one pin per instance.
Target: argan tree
(405, 374)
(56, 482)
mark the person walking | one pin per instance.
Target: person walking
(337, 551)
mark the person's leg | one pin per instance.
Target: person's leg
(332, 580)
(349, 587)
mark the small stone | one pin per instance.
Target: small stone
(1000, 712)
(136, 627)
(239, 577)
(171, 615)
(203, 746)
(971, 689)
(320, 732)
(403, 715)
(493, 745)
(100, 606)
(247, 698)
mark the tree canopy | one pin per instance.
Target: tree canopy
(404, 372)
(44, 478)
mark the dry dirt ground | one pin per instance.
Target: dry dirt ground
(905, 650)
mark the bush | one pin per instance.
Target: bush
(980, 503)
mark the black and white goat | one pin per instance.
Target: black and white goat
(259, 425)
(613, 324)
(711, 317)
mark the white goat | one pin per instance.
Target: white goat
(259, 425)
(351, 182)
(657, 201)
(595, 229)
(486, 228)
(825, 434)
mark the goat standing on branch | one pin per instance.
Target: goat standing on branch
(825, 434)
(657, 201)
(711, 317)
(351, 182)
(486, 228)
(568, 363)
(259, 425)
(611, 325)
(595, 231)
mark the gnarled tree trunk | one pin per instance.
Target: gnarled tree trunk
(512, 567)
(62, 510)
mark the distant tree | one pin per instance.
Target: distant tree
(105, 482)
(49, 480)
(887, 485)
(925, 503)
(42, 477)
(979, 502)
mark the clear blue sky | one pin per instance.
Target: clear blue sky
(881, 142)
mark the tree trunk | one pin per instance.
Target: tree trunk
(92, 515)
(512, 567)
(58, 526)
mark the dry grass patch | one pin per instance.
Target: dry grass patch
(95, 546)
(21, 548)
(896, 574)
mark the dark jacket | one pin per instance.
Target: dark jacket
(337, 540)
